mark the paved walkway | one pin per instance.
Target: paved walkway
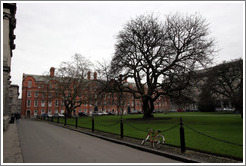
(11, 145)
(42, 142)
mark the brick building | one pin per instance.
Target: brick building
(38, 98)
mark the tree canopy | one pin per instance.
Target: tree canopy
(161, 55)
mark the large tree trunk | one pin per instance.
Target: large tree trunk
(148, 108)
(68, 112)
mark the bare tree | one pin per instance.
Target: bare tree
(161, 56)
(107, 86)
(72, 85)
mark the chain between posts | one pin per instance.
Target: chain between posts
(217, 139)
(108, 124)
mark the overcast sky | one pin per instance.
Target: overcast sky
(49, 33)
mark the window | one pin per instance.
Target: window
(49, 112)
(35, 103)
(42, 103)
(62, 111)
(35, 112)
(56, 111)
(29, 84)
(50, 94)
(50, 103)
(28, 103)
(10, 100)
(36, 94)
(42, 111)
(28, 94)
(56, 103)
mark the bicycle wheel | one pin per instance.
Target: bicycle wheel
(158, 141)
(144, 140)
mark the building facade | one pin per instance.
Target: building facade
(13, 99)
(38, 98)
(9, 24)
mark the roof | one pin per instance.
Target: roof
(39, 78)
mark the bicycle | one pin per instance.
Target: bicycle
(155, 138)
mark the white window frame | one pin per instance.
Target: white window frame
(29, 94)
(50, 103)
(28, 103)
(35, 103)
(42, 103)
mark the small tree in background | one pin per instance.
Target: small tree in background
(226, 80)
(206, 100)
(72, 85)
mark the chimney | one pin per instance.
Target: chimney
(89, 75)
(95, 75)
(52, 72)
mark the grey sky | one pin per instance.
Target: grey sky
(49, 33)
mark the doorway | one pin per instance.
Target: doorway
(28, 114)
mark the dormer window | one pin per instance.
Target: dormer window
(29, 84)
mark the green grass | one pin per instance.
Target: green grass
(228, 127)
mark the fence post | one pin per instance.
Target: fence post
(121, 128)
(182, 137)
(76, 122)
(58, 119)
(92, 124)
(65, 123)
(52, 119)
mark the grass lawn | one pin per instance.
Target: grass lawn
(214, 129)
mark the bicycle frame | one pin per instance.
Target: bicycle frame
(152, 135)
(155, 138)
